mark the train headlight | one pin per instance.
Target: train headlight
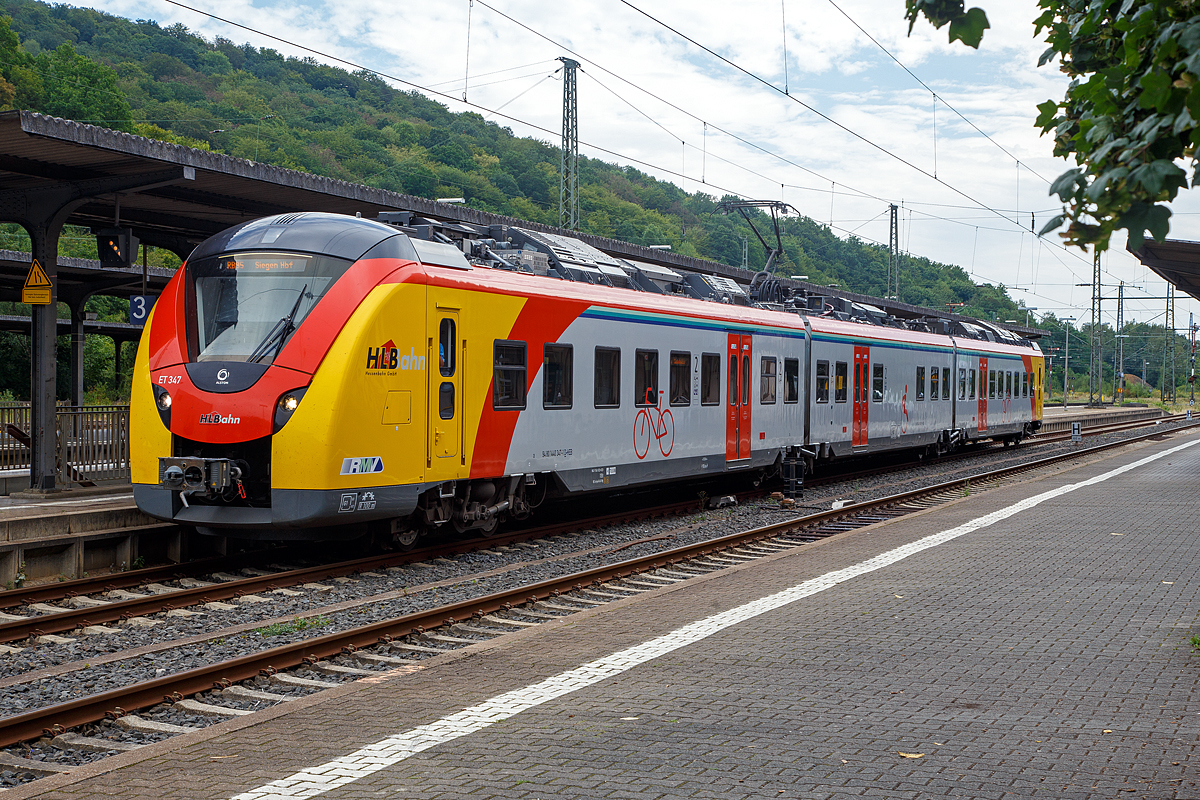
(162, 401)
(288, 403)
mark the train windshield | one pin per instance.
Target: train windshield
(248, 304)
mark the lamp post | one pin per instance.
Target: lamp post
(1027, 310)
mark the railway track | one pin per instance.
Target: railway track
(406, 640)
(106, 599)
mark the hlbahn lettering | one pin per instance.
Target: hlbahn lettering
(387, 357)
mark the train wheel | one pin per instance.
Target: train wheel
(405, 540)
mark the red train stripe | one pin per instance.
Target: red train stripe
(542, 319)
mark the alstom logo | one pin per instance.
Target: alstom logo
(388, 357)
(217, 419)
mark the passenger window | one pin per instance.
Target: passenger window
(971, 385)
(1008, 384)
(877, 383)
(1024, 384)
(991, 384)
(945, 383)
(557, 375)
(767, 387)
(920, 383)
(608, 377)
(710, 379)
(508, 375)
(681, 379)
(791, 380)
(933, 383)
(446, 348)
(839, 382)
(645, 378)
(962, 383)
(822, 380)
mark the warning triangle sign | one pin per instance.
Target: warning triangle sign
(37, 287)
(37, 277)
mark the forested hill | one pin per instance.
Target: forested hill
(170, 83)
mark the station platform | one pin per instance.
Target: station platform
(1030, 641)
(1056, 419)
(73, 532)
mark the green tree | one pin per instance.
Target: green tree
(1130, 112)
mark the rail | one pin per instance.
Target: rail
(91, 442)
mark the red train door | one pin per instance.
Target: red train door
(983, 397)
(737, 419)
(862, 383)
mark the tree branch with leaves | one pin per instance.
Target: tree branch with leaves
(1130, 113)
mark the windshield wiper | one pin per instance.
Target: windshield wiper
(278, 333)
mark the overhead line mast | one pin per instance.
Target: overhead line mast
(568, 171)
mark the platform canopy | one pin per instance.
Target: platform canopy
(1175, 261)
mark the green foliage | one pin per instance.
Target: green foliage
(966, 25)
(1129, 113)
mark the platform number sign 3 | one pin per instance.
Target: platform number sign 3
(139, 307)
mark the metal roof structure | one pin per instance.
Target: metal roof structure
(1175, 261)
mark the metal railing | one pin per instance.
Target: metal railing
(91, 442)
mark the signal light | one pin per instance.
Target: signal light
(117, 247)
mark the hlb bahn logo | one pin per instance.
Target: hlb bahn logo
(216, 419)
(388, 358)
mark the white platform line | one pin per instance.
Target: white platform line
(394, 749)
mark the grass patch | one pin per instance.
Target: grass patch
(293, 626)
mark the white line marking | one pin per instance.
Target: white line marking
(394, 749)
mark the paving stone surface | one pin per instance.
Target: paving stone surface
(1042, 656)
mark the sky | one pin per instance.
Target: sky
(739, 110)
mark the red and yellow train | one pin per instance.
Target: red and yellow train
(305, 373)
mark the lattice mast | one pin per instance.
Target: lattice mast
(568, 170)
(1168, 386)
(1095, 369)
(1119, 349)
(892, 289)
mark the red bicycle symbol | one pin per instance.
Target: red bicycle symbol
(644, 424)
(904, 409)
